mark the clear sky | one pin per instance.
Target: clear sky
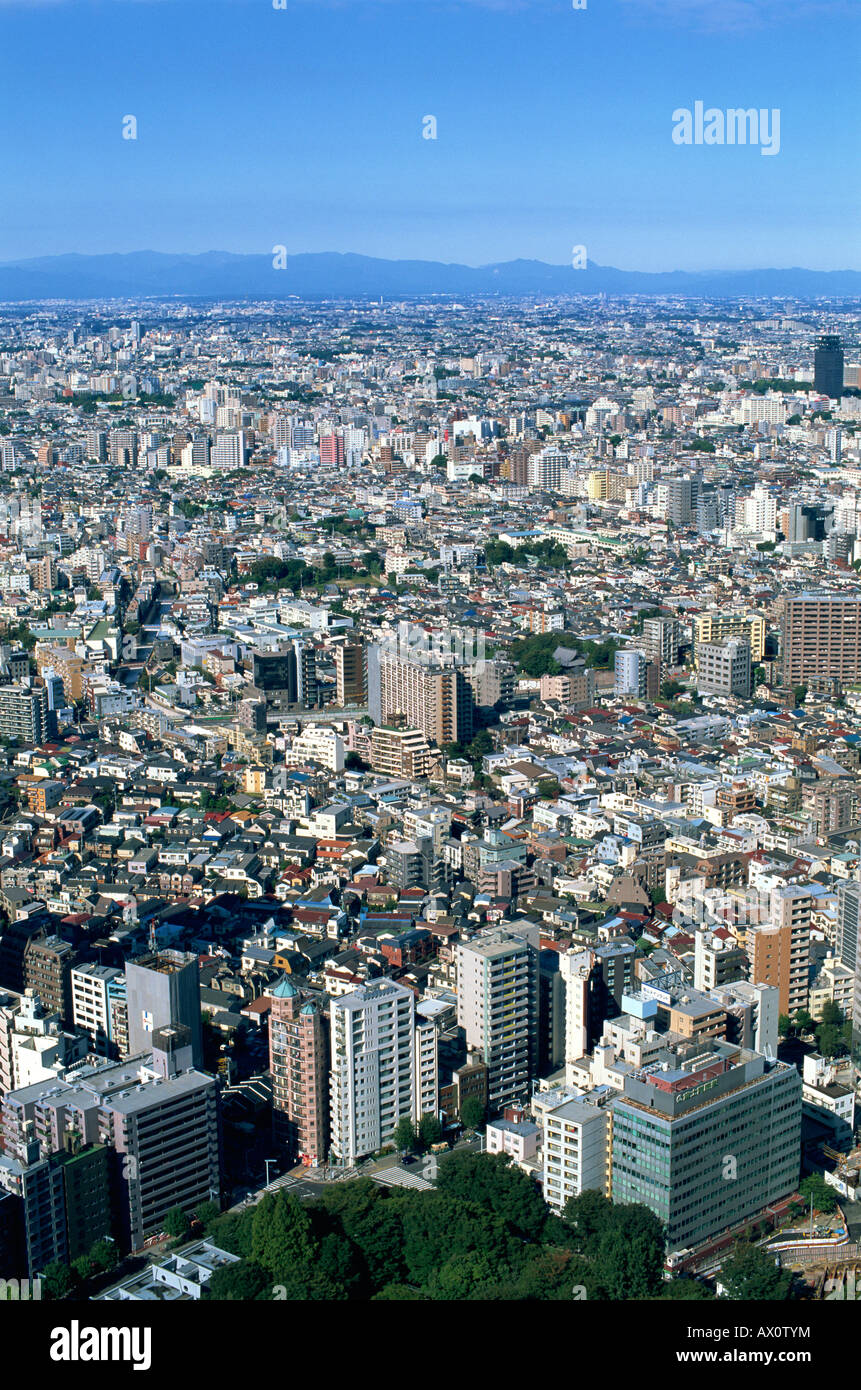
(302, 126)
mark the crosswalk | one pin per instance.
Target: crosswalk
(399, 1177)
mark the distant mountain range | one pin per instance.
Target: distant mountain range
(222, 275)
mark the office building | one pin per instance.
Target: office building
(724, 668)
(706, 1137)
(828, 366)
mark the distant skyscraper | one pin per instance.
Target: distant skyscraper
(828, 366)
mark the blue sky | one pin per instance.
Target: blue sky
(303, 127)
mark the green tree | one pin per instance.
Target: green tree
(823, 1195)
(629, 1261)
(494, 1182)
(472, 1113)
(363, 1211)
(462, 1277)
(244, 1282)
(686, 1290)
(438, 1226)
(588, 1217)
(799, 694)
(405, 1137)
(207, 1213)
(58, 1280)
(282, 1240)
(430, 1130)
(751, 1275)
(177, 1223)
(105, 1256)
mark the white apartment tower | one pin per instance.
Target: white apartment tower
(384, 1066)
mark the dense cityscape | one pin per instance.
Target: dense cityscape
(431, 813)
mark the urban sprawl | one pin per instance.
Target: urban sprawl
(430, 799)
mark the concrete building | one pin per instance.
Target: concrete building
(163, 990)
(91, 1005)
(400, 752)
(351, 674)
(724, 668)
(706, 1138)
(436, 699)
(820, 637)
(778, 950)
(497, 1006)
(299, 1063)
(318, 744)
(574, 1150)
(24, 714)
(383, 1067)
(157, 1115)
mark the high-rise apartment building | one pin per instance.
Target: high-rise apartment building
(383, 1067)
(661, 639)
(299, 1063)
(820, 637)
(436, 699)
(400, 752)
(497, 1006)
(48, 963)
(778, 950)
(24, 714)
(351, 674)
(706, 1136)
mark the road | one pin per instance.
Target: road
(387, 1170)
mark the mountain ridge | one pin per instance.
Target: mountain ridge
(336, 275)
